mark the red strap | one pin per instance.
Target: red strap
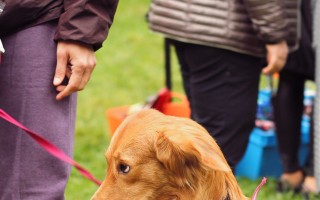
(52, 149)
(163, 97)
(255, 194)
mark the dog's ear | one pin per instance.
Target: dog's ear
(184, 152)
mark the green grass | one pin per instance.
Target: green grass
(130, 68)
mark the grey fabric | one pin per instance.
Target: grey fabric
(244, 26)
(26, 92)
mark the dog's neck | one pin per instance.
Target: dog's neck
(219, 186)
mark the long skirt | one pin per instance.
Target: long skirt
(27, 172)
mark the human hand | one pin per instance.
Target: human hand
(76, 61)
(276, 57)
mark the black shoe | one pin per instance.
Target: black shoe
(306, 193)
(285, 186)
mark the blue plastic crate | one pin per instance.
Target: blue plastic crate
(262, 156)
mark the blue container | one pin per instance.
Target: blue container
(262, 157)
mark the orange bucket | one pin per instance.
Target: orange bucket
(115, 116)
(179, 107)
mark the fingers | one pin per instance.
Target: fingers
(82, 61)
(62, 62)
(86, 77)
(72, 86)
(274, 66)
(276, 57)
(80, 76)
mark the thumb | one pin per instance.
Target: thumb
(268, 69)
(270, 66)
(61, 68)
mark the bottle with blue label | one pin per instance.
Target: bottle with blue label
(264, 105)
(264, 115)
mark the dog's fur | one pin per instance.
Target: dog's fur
(169, 158)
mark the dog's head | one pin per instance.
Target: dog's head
(159, 157)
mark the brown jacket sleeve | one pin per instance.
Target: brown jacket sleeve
(268, 18)
(86, 21)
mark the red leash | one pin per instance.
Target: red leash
(52, 149)
(255, 194)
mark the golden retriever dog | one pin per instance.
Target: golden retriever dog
(157, 157)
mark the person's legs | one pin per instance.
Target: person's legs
(222, 87)
(288, 114)
(26, 92)
(310, 183)
(184, 67)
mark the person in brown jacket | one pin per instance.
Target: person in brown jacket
(49, 56)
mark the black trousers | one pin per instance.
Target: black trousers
(300, 67)
(288, 114)
(222, 87)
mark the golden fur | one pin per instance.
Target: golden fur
(157, 157)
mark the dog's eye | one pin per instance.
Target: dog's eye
(124, 169)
